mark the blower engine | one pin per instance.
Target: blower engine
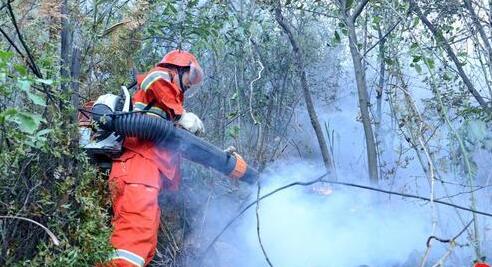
(110, 115)
(102, 145)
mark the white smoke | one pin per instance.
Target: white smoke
(333, 226)
(329, 226)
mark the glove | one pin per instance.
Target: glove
(230, 150)
(191, 123)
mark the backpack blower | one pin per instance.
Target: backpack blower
(104, 123)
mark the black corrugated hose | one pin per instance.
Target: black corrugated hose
(165, 134)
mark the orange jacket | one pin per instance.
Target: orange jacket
(161, 87)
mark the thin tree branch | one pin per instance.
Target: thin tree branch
(382, 38)
(12, 43)
(452, 241)
(251, 89)
(258, 227)
(113, 28)
(428, 243)
(358, 10)
(26, 48)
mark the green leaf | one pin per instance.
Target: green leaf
(389, 61)
(376, 20)
(192, 3)
(233, 131)
(21, 69)
(231, 115)
(6, 114)
(27, 122)
(44, 132)
(171, 8)
(336, 38)
(418, 68)
(462, 54)
(36, 99)
(416, 59)
(6, 55)
(430, 63)
(349, 4)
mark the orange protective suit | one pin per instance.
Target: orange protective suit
(139, 174)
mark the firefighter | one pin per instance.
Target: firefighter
(143, 170)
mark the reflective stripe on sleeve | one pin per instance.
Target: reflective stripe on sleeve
(153, 77)
(128, 256)
(139, 106)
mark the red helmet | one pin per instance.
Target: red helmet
(184, 59)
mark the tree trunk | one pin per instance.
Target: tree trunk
(305, 88)
(364, 102)
(380, 145)
(75, 75)
(380, 88)
(64, 47)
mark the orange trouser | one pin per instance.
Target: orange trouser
(134, 184)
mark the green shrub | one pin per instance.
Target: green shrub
(46, 178)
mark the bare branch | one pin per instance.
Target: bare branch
(113, 28)
(258, 227)
(36, 70)
(55, 240)
(452, 242)
(251, 86)
(382, 38)
(428, 243)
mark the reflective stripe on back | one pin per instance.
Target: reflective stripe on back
(153, 77)
(128, 256)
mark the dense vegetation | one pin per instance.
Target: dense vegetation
(275, 70)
